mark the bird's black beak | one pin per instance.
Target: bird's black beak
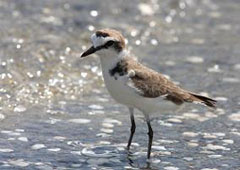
(91, 50)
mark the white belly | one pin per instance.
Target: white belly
(119, 91)
(129, 97)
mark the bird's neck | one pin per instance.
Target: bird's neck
(110, 58)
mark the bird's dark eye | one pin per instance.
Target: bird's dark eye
(109, 43)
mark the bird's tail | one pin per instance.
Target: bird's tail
(204, 100)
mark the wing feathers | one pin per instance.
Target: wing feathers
(151, 84)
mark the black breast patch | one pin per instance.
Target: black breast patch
(120, 69)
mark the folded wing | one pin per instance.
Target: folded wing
(151, 84)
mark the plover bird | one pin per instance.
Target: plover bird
(135, 85)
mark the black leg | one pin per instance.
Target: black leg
(133, 127)
(150, 138)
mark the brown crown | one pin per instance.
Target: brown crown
(112, 33)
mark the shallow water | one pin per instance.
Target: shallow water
(55, 112)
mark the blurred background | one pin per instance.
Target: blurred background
(55, 112)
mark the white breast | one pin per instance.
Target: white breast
(118, 90)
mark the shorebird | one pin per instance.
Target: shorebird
(135, 85)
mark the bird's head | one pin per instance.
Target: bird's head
(106, 41)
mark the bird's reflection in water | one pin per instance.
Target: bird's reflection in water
(142, 164)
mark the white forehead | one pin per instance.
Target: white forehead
(98, 41)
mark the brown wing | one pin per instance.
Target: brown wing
(152, 84)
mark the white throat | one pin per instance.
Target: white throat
(109, 58)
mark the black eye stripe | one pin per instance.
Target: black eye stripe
(106, 45)
(114, 44)
(109, 43)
